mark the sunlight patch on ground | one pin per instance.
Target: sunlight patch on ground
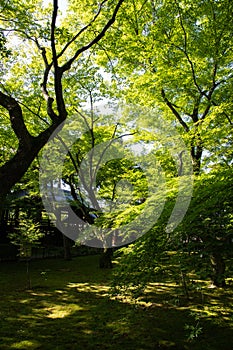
(137, 303)
(41, 294)
(87, 331)
(61, 311)
(160, 287)
(214, 312)
(89, 288)
(26, 344)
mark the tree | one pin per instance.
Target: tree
(34, 113)
(28, 236)
(176, 56)
(94, 186)
(201, 244)
(207, 226)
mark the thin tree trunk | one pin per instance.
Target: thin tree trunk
(29, 285)
(67, 246)
(2, 201)
(105, 261)
(218, 268)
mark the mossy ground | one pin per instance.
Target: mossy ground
(68, 307)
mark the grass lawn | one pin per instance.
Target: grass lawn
(68, 307)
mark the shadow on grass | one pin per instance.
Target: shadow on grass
(69, 308)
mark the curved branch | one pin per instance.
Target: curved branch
(109, 144)
(82, 30)
(174, 111)
(84, 48)
(185, 51)
(47, 98)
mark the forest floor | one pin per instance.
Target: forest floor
(68, 307)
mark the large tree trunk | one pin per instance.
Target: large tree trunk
(28, 147)
(218, 268)
(12, 171)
